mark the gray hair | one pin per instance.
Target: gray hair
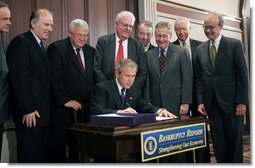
(163, 24)
(36, 14)
(182, 20)
(124, 13)
(78, 23)
(130, 63)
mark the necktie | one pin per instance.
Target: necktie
(162, 60)
(78, 57)
(42, 47)
(3, 63)
(122, 95)
(184, 44)
(120, 54)
(213, 53)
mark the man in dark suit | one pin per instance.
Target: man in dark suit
(5, 23)
(222, 89)
(106, 98)
(169, 82)
(144, 33)
(108, 46)
(30, 86)
(71, 86)
(182, 29)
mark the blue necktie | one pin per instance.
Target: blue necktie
(122, 95)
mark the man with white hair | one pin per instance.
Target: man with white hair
(71, 65)
(110, 49)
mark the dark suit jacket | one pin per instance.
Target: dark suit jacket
(193, 45)
(29, 78)
(105, 59)
(229, 79)
(175, 86)
(105, 99)
(68, 81)
(4, 87)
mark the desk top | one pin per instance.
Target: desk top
(118, 131)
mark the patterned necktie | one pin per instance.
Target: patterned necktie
(213, 53)
(122, 95)
(162, 60)
(184, 44)
(78, 57)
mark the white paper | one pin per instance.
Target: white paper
(163, 118)
(111, 115)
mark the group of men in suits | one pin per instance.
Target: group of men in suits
(47, 87)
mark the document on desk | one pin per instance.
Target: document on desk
(164, 118)
(111, 115)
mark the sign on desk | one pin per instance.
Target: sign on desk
(164, 142)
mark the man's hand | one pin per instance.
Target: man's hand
(73, 104)
(184, 109)
(240, 109)
(30, 119)
(128, 110)
(201, 110)
(165, 113)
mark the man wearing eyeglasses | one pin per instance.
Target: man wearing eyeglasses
(114, 47)
(222, 89)
(71, 63)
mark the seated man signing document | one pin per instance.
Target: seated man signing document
(118, 96)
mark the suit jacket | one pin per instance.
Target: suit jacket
(151, 47)
(228, 80)
(193, 45)
(4, 87)
(105, 59)
(29, 78)
(174, 87)
(105, 99)
(68, 80)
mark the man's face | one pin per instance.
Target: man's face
(5, 16)
(182, 30)
(127, 77)
(124, 27)
(163, 37)
(144, 34)
(212, 27)
(79, 37)
(43, 27)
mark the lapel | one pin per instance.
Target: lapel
(169, 58)
(220, 53)
(72, 55)
(207, 57)
(115, 94)
(41, 53)
(155, 61)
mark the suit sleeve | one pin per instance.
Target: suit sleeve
(19, 62)
(98, 60)
(241, 74)
(142, 71)
(56, 61)
(187, 78)
(98, 102)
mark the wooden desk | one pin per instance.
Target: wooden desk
(113, 142)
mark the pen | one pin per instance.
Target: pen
(128, 105)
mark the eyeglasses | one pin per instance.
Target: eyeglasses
(209, 27)
(81, 36)
(126, 25)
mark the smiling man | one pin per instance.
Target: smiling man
(117, 46)
(30, 86)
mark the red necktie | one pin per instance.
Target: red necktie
(120, 54)
(78, 56)
(162, 60)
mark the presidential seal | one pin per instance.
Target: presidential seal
(150, 145)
